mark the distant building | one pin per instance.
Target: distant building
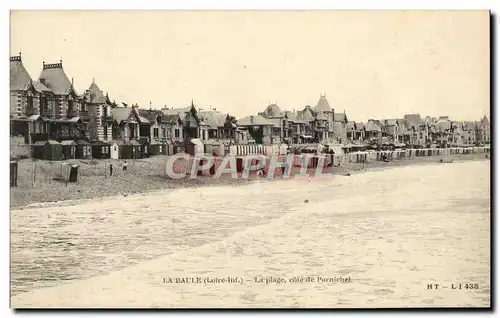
(193, 126)
(49, 106)
(469, 130)
(483, 131)
(98, 112)
(258, 128)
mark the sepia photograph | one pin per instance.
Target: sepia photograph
(252, 159)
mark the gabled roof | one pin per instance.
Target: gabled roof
(40, 87)
(150, 114)
(121, 113)
(307, 114)
(373, 125)
(413, 120)
(96, 95)
(214, 119)
(469, 125)
(254, 121)
(54, 77)
(323, 104)
(170, 119)
(272, 110)
(485, 121)
(19, 77)
(177, 111)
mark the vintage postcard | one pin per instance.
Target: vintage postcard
(250, 159)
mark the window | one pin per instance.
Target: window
(155, 132)
(177, 133)
(164, 132)
(30, 105)
(70, 108)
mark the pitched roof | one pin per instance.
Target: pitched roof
(413, 119)
(174, 111)
(150, 114)
(170, 119)
(121, 113)
(19, 77)
(254, 121)
(469, 125)
(272, 110)
(350, 125)
(373, 125)
(68, 143)
(323, 104)
(307, 114)
(485, 121)
(96, 95)
(54, 77)
(214, 119)
(40, 87)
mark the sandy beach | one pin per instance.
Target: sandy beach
(389, 231)
(148, 174)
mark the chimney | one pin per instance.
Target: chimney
(251, 119)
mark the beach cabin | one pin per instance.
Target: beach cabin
(83, 149)
(180, 146)
(114, 150)
(167, 148)
(154, 148)
(144, 142)
(47, 150)
(100, 150)
(214, 148)
(68, 149)
(189, 147)
(130, 150)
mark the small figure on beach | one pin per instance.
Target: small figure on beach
(125, 165)
(110, 170)
(260, 173)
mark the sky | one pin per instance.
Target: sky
(370, 64)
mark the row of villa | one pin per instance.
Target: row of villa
(51, 110)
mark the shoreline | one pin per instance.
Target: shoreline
(140, 179)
